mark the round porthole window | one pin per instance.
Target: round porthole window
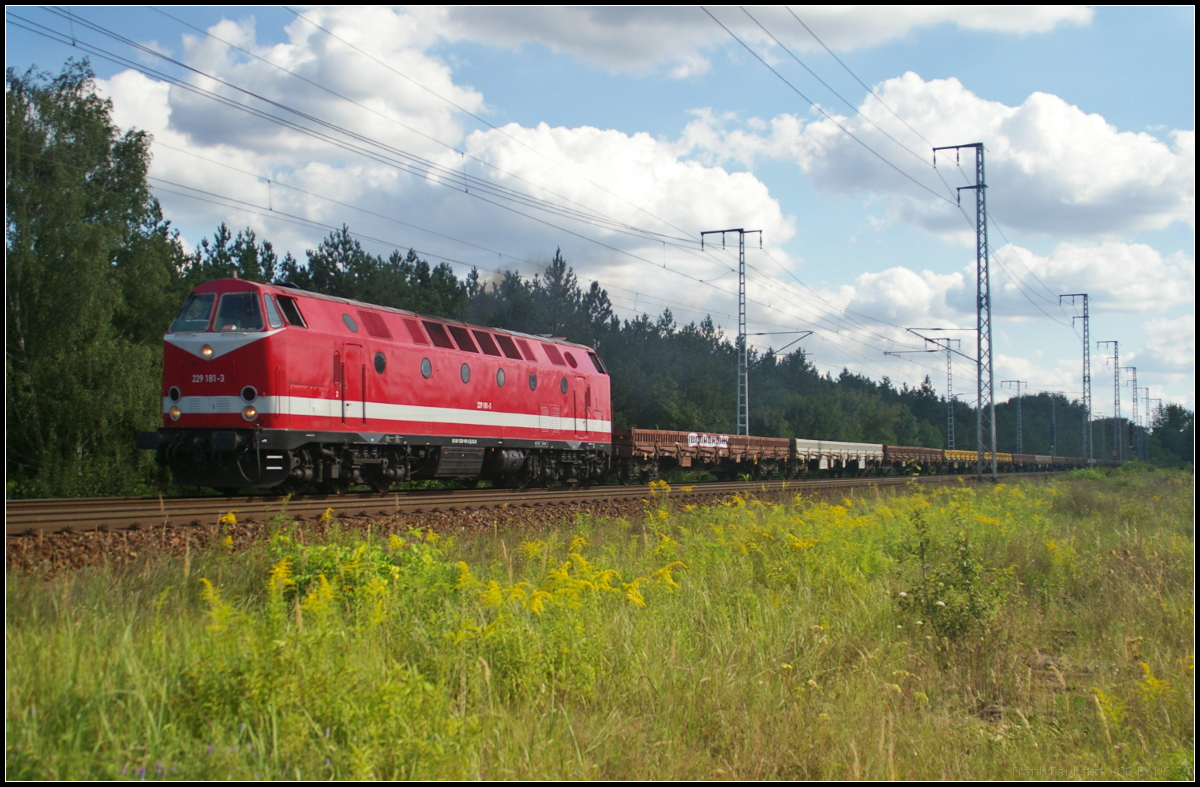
(350, 323)
(426, 368)
(532, 382)
(500, 377)
(563, 385)
(380, 362)
(465, 373)
(571, 360)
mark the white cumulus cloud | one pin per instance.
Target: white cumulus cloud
(1049, 166)
(1172, 342)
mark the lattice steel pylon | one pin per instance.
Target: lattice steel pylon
(743, 373)
(1020, 421)
(1118, 451)
(985, 385)
(947, 344)
(1131, 441)
(1087, 447)
(1144, 436)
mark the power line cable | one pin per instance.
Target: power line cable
(423, 167)
(818, 107)
(434, 93)
(340, 143)
(453, 175)
(845, 101)
(389, 118)
(851, 73)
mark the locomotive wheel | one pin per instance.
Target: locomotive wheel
(526, 474)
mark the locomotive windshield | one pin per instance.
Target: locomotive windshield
(239, 311)
(195, 313)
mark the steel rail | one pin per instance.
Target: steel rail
(47, 516)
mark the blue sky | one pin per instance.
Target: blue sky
(658, 120)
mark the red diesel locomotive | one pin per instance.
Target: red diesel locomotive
(267, 386)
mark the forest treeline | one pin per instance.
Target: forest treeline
(94, 275)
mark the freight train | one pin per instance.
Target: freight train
(271, 387)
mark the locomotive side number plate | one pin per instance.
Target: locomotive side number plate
(208, 378)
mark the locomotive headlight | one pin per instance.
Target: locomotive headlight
(206, 351)
(249, 412)
(175, 412)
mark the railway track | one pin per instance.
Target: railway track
(45, 517)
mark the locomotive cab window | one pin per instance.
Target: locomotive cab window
(195, 313)
(291, 310)
(239, 311)
(273, 318)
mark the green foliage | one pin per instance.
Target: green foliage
(89, 274)
(1173, 439)
(949, 591)
(340, 266)
(226, 256)
(748, 639)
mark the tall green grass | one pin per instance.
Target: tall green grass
(1010, 632)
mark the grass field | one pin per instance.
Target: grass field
(1015, 632)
